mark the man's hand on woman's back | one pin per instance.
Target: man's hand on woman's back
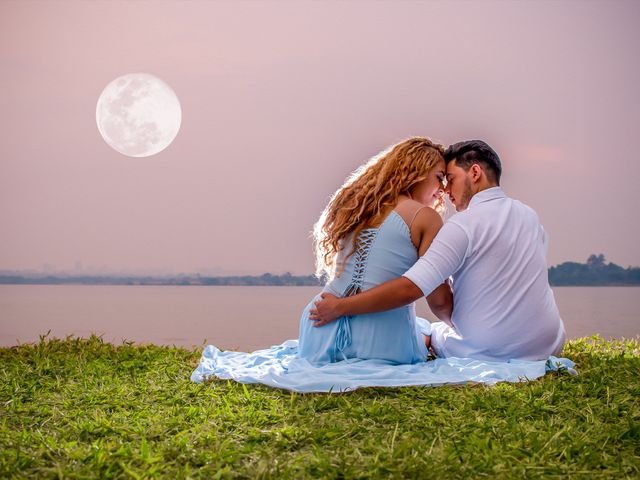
(326, 311)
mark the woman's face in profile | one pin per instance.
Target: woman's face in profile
(430, 190)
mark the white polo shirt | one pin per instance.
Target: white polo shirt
(503, 306)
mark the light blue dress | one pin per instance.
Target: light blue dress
(384, 349)
(383, 253)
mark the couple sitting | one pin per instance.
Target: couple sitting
(490, 255)
(382, 243)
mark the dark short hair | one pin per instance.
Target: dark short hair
(475, 151)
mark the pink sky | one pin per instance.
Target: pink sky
(282, 100)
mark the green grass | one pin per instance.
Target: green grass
(79, 408)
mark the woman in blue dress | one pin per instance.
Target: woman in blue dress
(373, 229)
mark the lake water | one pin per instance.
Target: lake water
(245, 318)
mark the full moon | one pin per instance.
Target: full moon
(138, 115)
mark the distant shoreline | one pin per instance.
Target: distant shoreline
(594, 273)
(257, 281)
(265, 280)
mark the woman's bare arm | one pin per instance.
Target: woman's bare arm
(440, 301)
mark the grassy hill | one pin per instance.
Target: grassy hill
(79, 408)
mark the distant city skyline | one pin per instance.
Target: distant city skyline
(281, 101)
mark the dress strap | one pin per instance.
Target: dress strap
(416, 214)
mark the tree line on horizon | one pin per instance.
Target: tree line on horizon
(595, 272)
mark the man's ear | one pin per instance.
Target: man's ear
(476, 172)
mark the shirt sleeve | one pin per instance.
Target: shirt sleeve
(443, 258)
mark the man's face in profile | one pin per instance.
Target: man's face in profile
(458, 186)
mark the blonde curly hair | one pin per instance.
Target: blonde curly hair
(361, 201)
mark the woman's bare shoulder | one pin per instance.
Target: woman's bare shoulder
(423, 221)
(407, 209)
(427, 219)
(413, 211)
(428, 214)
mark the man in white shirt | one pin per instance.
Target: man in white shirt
(494, 249)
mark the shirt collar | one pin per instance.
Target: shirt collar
(486, 195)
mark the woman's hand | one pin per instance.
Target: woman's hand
(326, 311)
